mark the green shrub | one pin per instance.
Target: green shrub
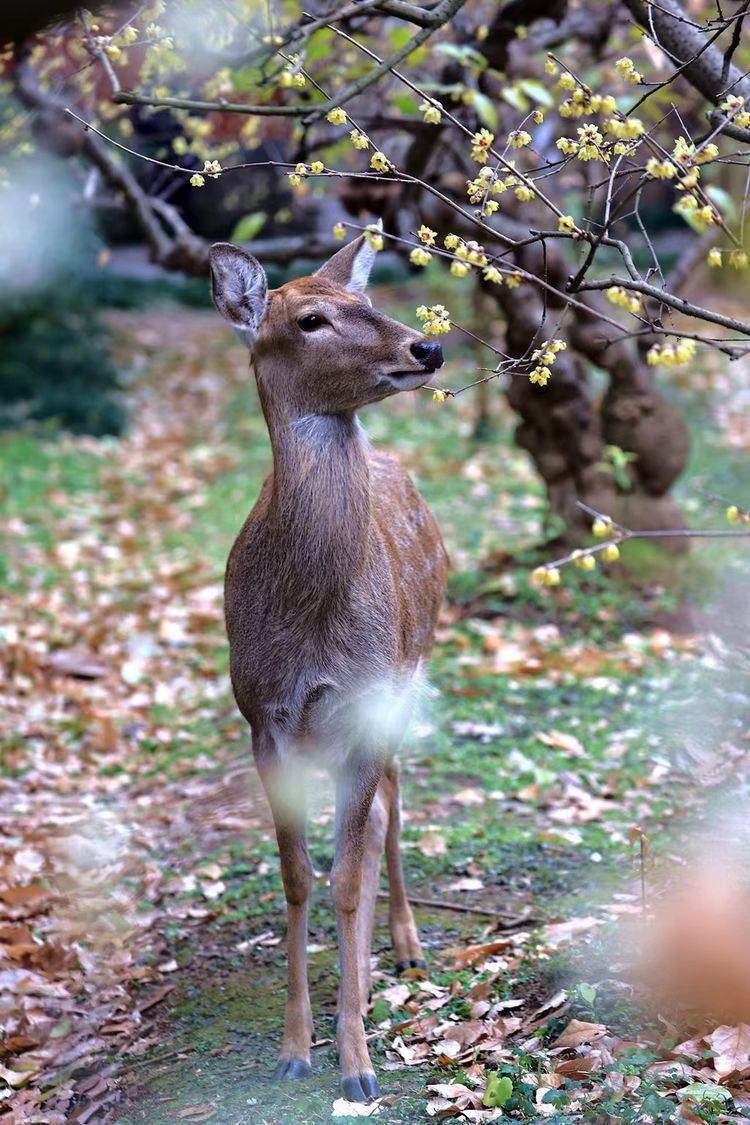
(55, 363)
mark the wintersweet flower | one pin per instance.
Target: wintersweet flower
(431, 113)
(336, 116)
(435, 319)
(420, 257)
(427, 236)
(374, 237)
(481, 143)
(492, 273)
(380, 162)
(546, 576)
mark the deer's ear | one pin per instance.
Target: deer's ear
(350, 267)
(239, 288)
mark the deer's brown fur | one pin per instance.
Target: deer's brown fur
(332, 593)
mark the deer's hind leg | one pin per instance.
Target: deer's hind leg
(406, 945)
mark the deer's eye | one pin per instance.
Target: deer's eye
(310, 322)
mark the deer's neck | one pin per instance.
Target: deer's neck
(320, 503)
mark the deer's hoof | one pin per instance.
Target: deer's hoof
(288, 1069)
(413, 968)
(360, 1087)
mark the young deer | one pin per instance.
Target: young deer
(332, 593)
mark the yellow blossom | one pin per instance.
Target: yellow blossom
(419, 256)
(427, 236)
(336, 116)
(451, 241)
(197, 180)
(373, 236)
(438, 396)
(601, 526)
(481, 143)
(212, 168)
(537, 117)
(738, 259)
(493, 274)
(626, 68)
(714, 257)
(431, 113)
(317, 167)
(566, 224)
(546, 576)
(359, 140)
(550, 66)
(660, 169)
(435, 320)
(733, 513)
(339, 231)
(540, 375)
(519, 138)
(459, 269)
(566, 81)
(610, 553)
(380, 162)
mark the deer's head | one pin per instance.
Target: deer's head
(318, 344)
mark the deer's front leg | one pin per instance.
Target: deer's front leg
(354, 795)
(287, 807)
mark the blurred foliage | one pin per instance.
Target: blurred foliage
(55, 362)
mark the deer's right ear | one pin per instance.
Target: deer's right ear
(239, 288)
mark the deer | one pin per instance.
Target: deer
(332, 593)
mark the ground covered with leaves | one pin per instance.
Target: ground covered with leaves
(576, 745)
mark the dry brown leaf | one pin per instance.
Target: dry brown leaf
(77, 663)
(559, 740)
(473, 954)
(731, 1046)
(578, 1032)
(432, 843)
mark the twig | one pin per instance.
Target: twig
(462, 908)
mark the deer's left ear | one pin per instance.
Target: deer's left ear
(350, 267)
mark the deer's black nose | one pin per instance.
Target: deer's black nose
(429, 353)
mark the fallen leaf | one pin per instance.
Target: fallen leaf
(343, 1108)
(731, 1047)
(559, 740)
(578, 1032)
(432, 843)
